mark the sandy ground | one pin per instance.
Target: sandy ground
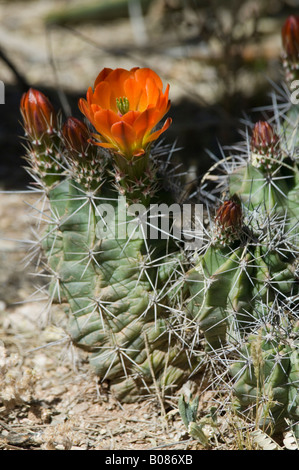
(49, 398)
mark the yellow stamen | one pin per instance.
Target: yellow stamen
(122, 105)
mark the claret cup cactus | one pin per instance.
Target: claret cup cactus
(120, 286)
(150, 308)
(244, 286)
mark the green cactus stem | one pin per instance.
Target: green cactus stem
(267, 377)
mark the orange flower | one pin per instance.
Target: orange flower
(124, 108)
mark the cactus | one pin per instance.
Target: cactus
(142, 305)
(121, 288)
(250, 263)
(118, 305)
(266, 378)
(244, 287)
(94, 11)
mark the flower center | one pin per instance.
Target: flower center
(122, 105)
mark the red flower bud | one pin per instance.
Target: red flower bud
(76, 135)
(290, 38)
(230, 214)
(263, 137)
(38, 114)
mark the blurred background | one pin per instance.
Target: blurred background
(217, 55)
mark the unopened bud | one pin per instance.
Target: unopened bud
(264, 146)
(76, 135)
(290, 42)
(263, 137)
(229, 215)
(38, 114)
(290, 38)
(228, 222)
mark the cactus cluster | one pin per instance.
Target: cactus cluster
(120, 287)
(251, 261)
(245, 287)
(142, 305)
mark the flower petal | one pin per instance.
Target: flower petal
(164, 102)
(99, 143)
(85, 109)
(146, 122)
(102, 95)
(130, 117)
(133, 91)
(116, 81)
(102, 76)
(142, 75)
(103, 122)
(125, 136)
(156, 134)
